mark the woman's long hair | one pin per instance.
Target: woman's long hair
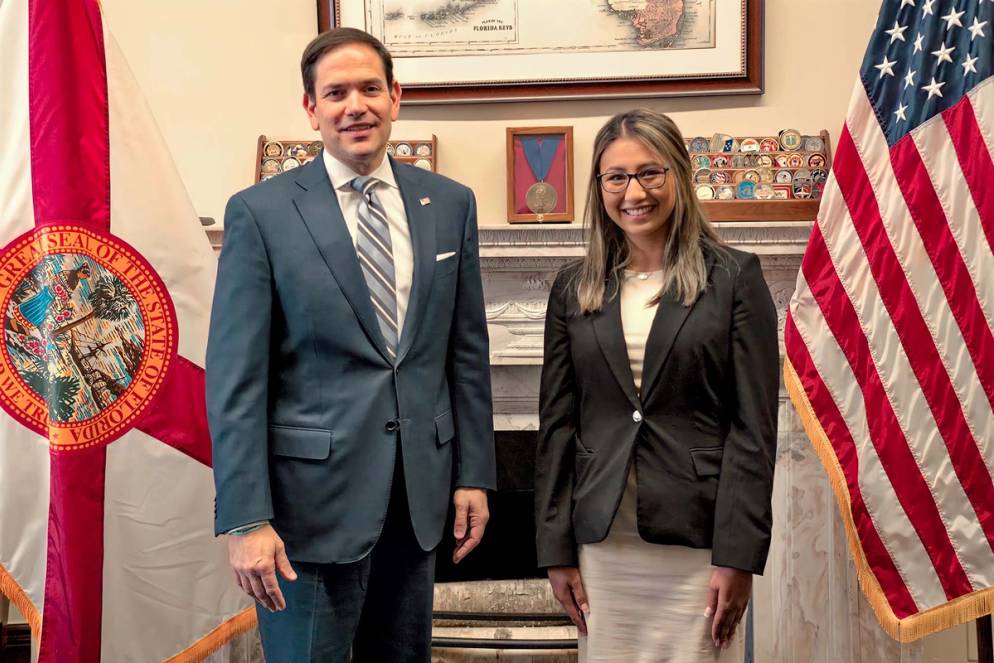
(607, 249)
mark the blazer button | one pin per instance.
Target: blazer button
(637, 417)
(392, 425)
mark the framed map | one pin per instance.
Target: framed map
(517, 50)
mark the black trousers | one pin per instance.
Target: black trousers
(374, 610)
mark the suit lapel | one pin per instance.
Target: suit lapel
(421, 222)
(318, 207)
(611, 337)
(666, 324)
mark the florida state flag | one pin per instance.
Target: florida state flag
(106, 279)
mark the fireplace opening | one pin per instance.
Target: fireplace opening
(496, 601)
(507, 551)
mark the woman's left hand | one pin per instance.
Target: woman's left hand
(728, 596)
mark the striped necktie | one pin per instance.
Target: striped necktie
(375, 253)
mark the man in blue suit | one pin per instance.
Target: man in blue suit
(348, 384)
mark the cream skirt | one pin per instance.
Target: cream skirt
(647, 601)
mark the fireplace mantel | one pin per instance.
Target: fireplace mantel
(519, 263)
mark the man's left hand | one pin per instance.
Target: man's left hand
(472, 515)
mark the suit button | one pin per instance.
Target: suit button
(392, 425)
(637, 417)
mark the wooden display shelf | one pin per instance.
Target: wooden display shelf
(307, 157)
(760, 210)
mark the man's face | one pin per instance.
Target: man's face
(353, 107)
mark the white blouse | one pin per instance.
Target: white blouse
(637, 290)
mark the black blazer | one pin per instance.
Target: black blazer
(702, 433)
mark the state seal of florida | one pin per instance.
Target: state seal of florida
(89, 334)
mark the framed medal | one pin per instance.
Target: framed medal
(539, 174)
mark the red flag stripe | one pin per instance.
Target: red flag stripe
(910, 487)
(908, 323)
(837, 433)
(929, 216)
(67, 80)
(178, 416)
(70, 173)
(70, 626)
(892, 523)
(975, 161)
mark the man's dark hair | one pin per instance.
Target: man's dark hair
(335, 38)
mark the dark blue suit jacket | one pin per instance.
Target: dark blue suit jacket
(300, 391)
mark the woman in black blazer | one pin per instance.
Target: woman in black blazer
(658, 411)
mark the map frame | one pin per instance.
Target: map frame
(745, 77)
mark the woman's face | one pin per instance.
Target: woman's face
(643, 214)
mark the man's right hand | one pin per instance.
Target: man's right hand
(255, 558)
(567, 586)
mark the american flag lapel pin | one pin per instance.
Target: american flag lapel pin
(425, 201)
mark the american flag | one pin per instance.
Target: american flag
(890, 351)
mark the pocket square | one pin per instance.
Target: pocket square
(444, 256)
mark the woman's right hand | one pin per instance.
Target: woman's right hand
(567, 586)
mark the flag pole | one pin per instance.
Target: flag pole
(985, 647)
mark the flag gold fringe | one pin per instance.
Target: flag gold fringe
(17, 596)
(958, 611)
(195, 653)
(220, 636)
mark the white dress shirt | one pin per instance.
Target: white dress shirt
(388, 194)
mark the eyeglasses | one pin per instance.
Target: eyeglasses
(616, 181)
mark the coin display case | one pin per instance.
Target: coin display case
(768, 178)
(275, 156)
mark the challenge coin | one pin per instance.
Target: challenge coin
(790, 139)
(763, 192)
(769, 145)
(700, 144)
(746, 190)
(749, 145)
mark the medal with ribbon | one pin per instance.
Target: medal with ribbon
(539, 152)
